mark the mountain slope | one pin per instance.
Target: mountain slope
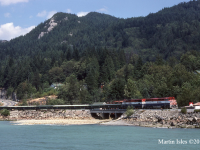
(169, 32)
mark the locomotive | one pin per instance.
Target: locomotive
(149, 103)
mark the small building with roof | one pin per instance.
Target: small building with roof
(56, 85)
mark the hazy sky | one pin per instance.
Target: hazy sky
(18, 17)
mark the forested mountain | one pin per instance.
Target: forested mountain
(150, 56)
(168, 32)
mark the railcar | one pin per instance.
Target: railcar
(149, 103)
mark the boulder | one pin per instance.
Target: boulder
(173, 123)
(190, 119)
(195, 119)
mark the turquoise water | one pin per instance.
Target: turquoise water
(92, 137)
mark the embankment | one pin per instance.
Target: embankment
(164, 119)
(47, 114)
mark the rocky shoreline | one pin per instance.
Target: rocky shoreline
(143, 118)
(163, 119)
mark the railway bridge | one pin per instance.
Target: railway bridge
(99, 111)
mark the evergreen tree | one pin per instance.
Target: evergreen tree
(108, 70)
(56, 75)
(70, 92)
(69, 55)
(75, 54)
(117, 89)
(138, 69)
(131, 90)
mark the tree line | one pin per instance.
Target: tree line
(100, 74)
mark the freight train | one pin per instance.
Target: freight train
(149, 103)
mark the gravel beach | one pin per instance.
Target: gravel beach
(58, 122)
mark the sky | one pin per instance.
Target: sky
(18, 17)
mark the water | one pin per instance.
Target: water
(92, 137)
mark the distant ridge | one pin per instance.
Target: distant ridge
(169, 32)
(3, 41)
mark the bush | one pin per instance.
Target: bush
(24, 103)
(184, 110)
(52, 92)
(55, 102)
(5, 112)
(197, 110)
(129, 111)
(36, 103)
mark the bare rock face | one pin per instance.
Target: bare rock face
(51, 24)
(66, 18)
(70, 34)
(42, 34)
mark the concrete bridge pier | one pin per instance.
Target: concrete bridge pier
(117, 115)
(106, 115)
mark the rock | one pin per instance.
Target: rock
(78, 113)
(163, 122)
(183, 126)
(190, 126)
(173, 123)
(42, 34)
(190, 119)
(195, 119)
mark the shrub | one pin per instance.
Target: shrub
(24, 103)
(5, 112)
(36, 103)
(184, 110)
(52, 92)
(55, 102)
(129, 111)
(197, 110)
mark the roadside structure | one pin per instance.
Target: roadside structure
(56, 85)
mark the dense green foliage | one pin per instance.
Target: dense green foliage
(197, 110)
(55, 102)
(152, 56)
(129, 111)
(184, 110)
(5, 112)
